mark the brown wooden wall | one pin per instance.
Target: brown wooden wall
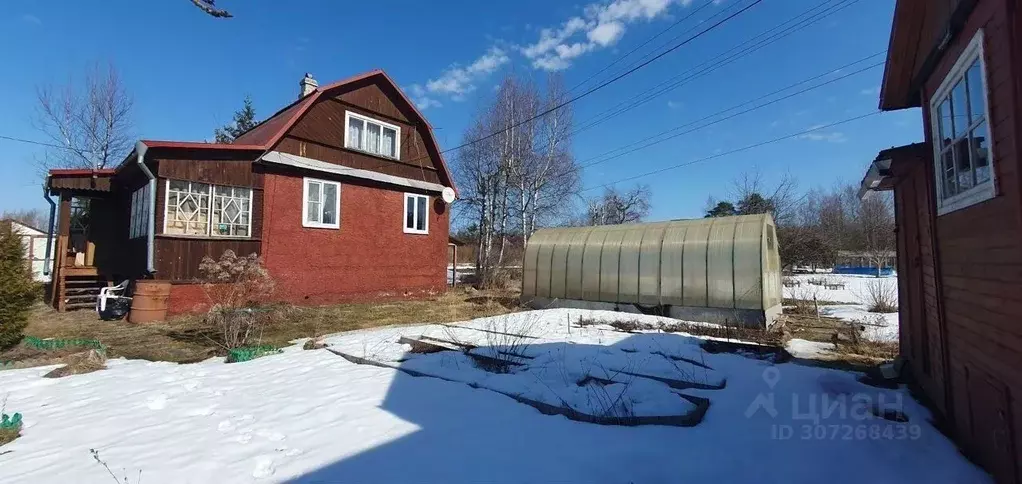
(320, 134)
(177, 257)
(979, 253)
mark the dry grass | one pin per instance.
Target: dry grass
(7, 435)
(78, 364)
(187, 339)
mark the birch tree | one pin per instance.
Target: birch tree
(517, 170)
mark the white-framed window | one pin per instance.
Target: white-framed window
(371, 135)
(321, 204)
(139, 225)
(416, 214)
(959, 116)
(202, 209)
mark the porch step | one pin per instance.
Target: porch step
(81, 292)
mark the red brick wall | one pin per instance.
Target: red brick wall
(369, 257)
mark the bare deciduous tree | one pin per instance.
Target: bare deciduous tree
(32, 217)
(518, 170)
(615, 207)
(90, 120)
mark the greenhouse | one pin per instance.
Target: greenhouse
(718, 270)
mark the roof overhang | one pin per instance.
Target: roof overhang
(879, 176)
(920, 34)
(79, 180)
(295, 161)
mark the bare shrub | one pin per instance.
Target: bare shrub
(238, 288)
(880, 296)
(863, 337)
(805, 298)
(118, 480)
(508, 339)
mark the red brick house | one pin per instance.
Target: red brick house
(958, 203)
(339, 192)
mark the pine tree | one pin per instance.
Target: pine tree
(17, 289)
(244, 120)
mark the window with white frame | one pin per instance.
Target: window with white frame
(371, 135)
(139, 220)
(416, 214)
(959, 117)
(194, 208)
(321, 207)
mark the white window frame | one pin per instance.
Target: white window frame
(305, 204)
(985, 190)
(209, 216)
(416, 216)
(348, 115)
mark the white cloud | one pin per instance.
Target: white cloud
(606, 34)
(31, 19)
(421, 98)
(674, 104)
(603, 25)
(832, 137)
(457, 80)
(871, 91)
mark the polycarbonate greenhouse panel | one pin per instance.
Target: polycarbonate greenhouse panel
(720, 268)
(573, 276)
(694, 263)
(649, 264)
(610, 264)
(671, 252)
(591, 264)
(748, 263)
(628, 271)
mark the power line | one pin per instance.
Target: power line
(601, 85)
(651, 39)
(711, 65)
(737, 150)
(644, 143)
(41, 143)
(731, 116)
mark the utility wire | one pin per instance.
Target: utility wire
(41, 143)
(651, 39)
(710, 66)
(648, 141)
(736, 150)
(731, 116)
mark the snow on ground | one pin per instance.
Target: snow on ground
(312, 416)
(879, 327)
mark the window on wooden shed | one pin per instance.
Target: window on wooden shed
(372, 136)
(139, 221)
(321, 207)
(958, 112)
(232, 211)
(416, 214)
(201, 209)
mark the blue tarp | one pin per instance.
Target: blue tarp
(863, 270)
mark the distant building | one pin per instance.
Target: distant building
(34, 242)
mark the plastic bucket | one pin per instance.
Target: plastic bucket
(149, 303)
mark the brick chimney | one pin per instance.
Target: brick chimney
(308, 85)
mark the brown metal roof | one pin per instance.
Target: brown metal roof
(267, 133)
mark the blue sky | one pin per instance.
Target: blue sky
(188, 72)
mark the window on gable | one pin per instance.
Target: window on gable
(416, 214)
(201, 209)
(372, 136)
(322, 204)
(962, 155)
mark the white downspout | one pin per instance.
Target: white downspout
(140, 150)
